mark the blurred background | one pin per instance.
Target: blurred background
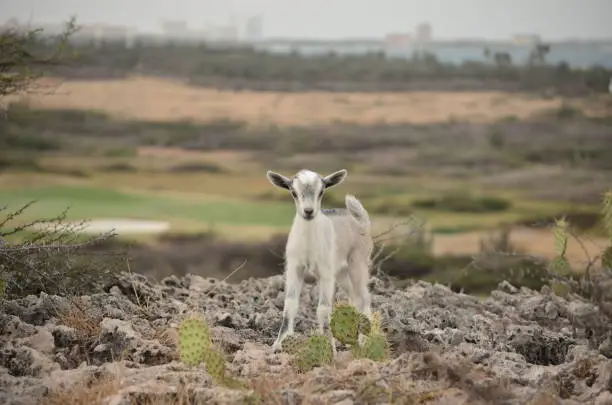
(467, 128)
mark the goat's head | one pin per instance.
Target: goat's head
(307, 189)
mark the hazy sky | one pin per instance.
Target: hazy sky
(342, 18)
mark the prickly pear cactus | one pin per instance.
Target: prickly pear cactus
(561, 237)
(194, 341)
(376, 346)
(292, 344)
(346, 324)
(560, 264)
(364, 324)
(215, 365)
(317, 352)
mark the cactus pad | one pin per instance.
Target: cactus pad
(194, 341)
(317, 352)
(292, 344)
(347, 323)
(559, 265)
(215, 365)
(376, 347)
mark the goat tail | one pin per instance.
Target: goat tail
(357, 210)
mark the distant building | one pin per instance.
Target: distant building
(398, 40)
(108, 32)
(424, 33)
(174, 27)
(222, 33)
(526, 39)
(254, 28)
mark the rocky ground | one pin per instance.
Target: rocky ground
(117, 348)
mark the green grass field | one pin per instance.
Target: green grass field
(86, 202)
(195, 211)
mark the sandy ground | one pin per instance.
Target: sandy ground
(149, 98)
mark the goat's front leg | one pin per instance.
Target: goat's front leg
(327, 286)
(293, 288)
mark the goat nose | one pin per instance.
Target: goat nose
(308, 211)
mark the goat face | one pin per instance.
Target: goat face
(307, 188)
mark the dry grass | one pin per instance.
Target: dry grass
(424, 379)
(77, 317)
(106, 389)
(84, 394)
(148, 98)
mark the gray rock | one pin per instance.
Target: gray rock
(605, 348)
(504, 348)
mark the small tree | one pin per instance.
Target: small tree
(45, 254)
(537, 56)
(22, 59)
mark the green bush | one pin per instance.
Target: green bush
(119, 167)
(463, 203)
(194, 167)
(121, 152)
(18, 162)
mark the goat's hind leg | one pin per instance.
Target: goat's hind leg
(359, 274)
(345, 283)
(293, 288)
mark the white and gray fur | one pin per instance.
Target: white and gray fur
(333, 245)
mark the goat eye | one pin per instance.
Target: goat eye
(320, 193)
(294, 194)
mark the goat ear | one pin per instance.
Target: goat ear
(334, 178)
(278, 180)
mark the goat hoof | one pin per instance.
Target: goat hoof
(276, 348)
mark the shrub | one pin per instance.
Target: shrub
(50, 255)
(464, 203)
(594, 283)
(197, 167)
(119, 167)
(121, 152)
(486, 272)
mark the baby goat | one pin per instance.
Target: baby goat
(333, 245)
